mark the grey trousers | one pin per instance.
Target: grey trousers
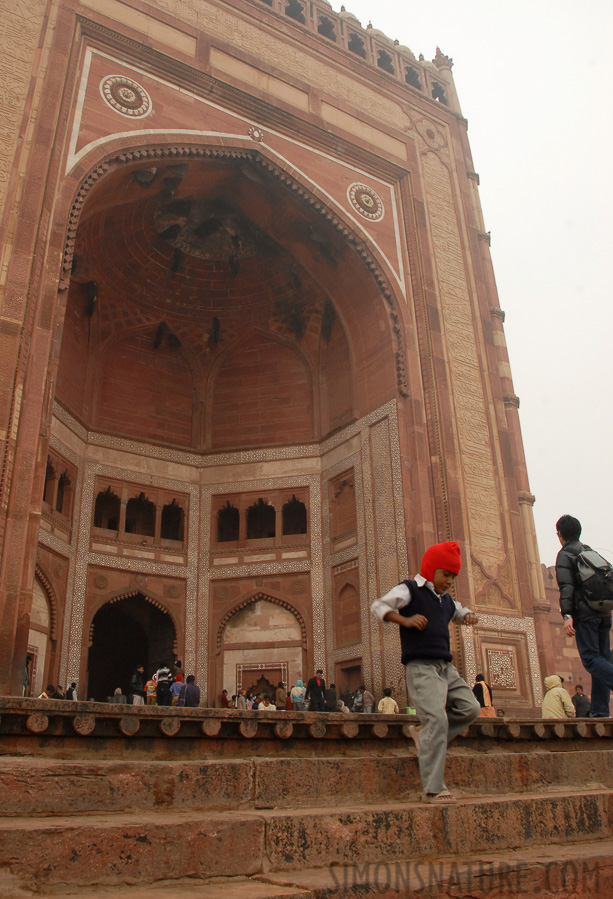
(445, 705)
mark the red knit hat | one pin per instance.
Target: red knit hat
(442, 555)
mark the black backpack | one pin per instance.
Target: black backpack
(595, 580)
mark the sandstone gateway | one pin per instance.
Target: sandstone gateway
(252, 358)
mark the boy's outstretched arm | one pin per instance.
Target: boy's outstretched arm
(418, 621)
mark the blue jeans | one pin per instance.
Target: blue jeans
(592, 636)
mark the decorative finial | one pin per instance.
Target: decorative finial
(441, 61)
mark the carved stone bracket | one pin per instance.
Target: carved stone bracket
(84, 724)
(511, 400)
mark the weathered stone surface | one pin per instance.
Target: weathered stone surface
(248, 729)
(317, 730)
(126, 849)
(129, 726)
(423, 830)
(37, 723)
(350, 730)
(211, 727)
(312, 781)
(546, 872)
(36, 786)
(284, 730)
(84, 724)
(170, 726)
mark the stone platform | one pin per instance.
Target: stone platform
(197, 802)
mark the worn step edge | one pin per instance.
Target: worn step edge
(576, 869)
(111, 849)
(568, 869)
(51, 788)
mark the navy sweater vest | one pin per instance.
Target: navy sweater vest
(433, 641)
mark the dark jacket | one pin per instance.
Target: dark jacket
(582, 704)
(571, 601)
(331, 700)
(315, 690)
(479, 695)
(192, 695)
(137, 684)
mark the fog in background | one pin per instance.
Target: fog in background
(534, 82)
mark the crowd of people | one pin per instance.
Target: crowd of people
(314, 697)
(167, 686)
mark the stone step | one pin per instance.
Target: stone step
(50, 787)
(544, 871)
(117, 850)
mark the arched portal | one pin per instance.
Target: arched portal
(262, 643)
(214, 309)
(38, 641)
(125, 633)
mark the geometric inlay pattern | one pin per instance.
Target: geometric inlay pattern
(501, 668)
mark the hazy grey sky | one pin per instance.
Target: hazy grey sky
(534, 82)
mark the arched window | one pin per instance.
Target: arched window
(294, 517)
(63, 489)
(173, 522)
(438, 93)
(295, 11)
(228, 523)
(140, 516)
(260, 520)
(385, 62)
(106, 510)
(412, 77)
(326, 27)
(49, 482)
(356, 45)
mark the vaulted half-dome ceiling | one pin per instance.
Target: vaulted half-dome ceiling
(211, 308)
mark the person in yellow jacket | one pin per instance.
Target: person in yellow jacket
(556, 703)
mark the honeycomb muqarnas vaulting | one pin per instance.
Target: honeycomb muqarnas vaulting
(252, 358)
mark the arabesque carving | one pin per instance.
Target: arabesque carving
(482, 500)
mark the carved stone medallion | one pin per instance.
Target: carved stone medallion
(366, 202)
(125, 96)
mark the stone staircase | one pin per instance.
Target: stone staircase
(216, 804)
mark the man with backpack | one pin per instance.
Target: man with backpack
(585, 580)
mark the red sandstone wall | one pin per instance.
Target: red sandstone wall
(145, 392)
(261, 395)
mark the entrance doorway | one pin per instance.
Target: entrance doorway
(125, 634)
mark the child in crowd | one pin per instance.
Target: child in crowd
(444, 702)
(151, 691)
(387, 705)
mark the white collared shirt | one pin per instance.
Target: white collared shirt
(399, 597)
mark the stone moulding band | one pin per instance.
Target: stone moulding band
(27, 718)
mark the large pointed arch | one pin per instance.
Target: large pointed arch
(289, 179)
(258, 597)
(147, 595)
(51, 595)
